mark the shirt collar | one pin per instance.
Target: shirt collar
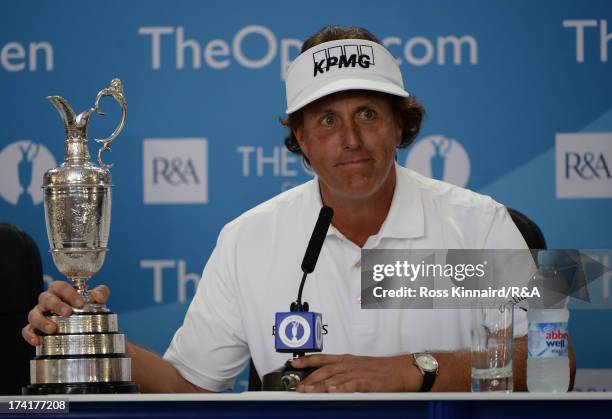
(405, 218)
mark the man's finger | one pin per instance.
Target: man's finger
(325, 372)
(312, 388)
(350, 386)
(317, 360)
(38, 321)
(350, 382)
(67, 293)
(100, 294)
(51, 302)
(30, 336)
(329, 384)
(339, 379)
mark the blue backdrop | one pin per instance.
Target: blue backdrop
(518, 96)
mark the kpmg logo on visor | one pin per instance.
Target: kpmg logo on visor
(342, 56)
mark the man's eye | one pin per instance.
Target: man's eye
(328, 120)
(368, 114)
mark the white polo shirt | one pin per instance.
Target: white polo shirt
(254, 272)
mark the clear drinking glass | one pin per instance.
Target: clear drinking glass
(492, 345)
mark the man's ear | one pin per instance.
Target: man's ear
(400, 129)
(298, 133)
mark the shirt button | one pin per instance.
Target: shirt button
(358, 300)
(357, 264)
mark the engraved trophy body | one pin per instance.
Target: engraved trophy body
(87, 353)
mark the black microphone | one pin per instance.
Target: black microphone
(316, 240)
(312, 252)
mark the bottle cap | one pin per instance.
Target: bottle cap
(548, 257)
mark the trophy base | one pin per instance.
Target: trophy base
(85, 356)
(80, 388)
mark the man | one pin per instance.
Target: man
(348, 113)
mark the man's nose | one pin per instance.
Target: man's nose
(351, 137)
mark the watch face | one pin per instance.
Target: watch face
(427, 362)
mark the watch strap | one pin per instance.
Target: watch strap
(429, 377)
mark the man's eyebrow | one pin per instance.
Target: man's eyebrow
(324, 111)
(368, 105)
(365, 104)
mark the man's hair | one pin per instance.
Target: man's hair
(407, 110)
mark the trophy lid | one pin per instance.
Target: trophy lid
(77, 169)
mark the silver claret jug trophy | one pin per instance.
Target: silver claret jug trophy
(87, 353)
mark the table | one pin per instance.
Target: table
(292, 405)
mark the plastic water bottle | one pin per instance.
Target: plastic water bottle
(548, 362)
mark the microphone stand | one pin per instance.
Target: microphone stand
(287, 377)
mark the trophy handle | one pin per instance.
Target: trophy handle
(116, 91)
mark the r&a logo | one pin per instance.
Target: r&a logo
(175, 170)
(441, 158)
(587, 166)
(294, 331)
(583, 165)
(22, 166)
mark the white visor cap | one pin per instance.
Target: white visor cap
(336, 66)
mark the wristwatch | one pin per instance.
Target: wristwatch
(428, 366)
